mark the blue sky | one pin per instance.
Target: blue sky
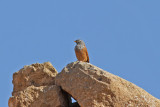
(122, 37)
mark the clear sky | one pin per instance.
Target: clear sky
(122, 37)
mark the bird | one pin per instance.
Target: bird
(81, 51)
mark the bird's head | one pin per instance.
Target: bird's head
(79, 42)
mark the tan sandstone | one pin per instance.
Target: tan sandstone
(94, 87)
(34, 86)
(43, 96)
(35, 74)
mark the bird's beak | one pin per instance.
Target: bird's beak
(74, 41)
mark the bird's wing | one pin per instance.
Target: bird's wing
(85, 49)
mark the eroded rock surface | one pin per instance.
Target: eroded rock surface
(34, 86)
(35, 74)
(43, 96)
(94, 87)
(38, 85)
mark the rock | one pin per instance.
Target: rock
(94, 87)
(35, 74)
(43, 96)
(34, 86)
(38, 85)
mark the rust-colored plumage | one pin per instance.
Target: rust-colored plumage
(81, 51)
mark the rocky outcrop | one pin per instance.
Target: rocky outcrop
(38, 85)
(94, 87)
(34, 86)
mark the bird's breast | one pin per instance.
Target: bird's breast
(79, 47)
